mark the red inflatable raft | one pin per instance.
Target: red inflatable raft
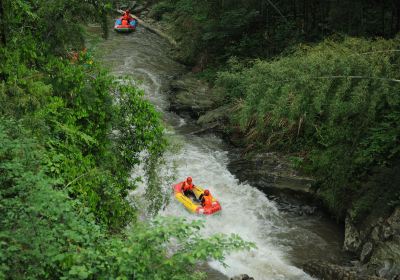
(124, 25)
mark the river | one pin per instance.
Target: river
(284, 239)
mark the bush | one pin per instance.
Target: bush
(337, 102)
(46, 235)
(159, 9)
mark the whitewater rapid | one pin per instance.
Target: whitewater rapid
(246, 211)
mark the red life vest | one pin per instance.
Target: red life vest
(127, 16)
(187, 187)
(207, 201)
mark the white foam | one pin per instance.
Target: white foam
(245, 211)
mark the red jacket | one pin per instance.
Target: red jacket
(127, 16)
(187, 187)
(206, 201)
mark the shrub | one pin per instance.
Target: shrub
(337, 102)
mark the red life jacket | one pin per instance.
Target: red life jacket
(127, 16)
(187, 187)
(207, 201)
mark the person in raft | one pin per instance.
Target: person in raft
(206, 199)
(127, 16)
(187, 187)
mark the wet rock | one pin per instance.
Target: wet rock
(394, 220)
(377, 241)
(216, 118)
(138, 9)
(388, 232)
(385, 259)
(375, 234)
(307, 210)
(328, 271)
(269, 170)
(366, 252)
(217, 114)
(190, 95)
(242, 277)
(352, 241)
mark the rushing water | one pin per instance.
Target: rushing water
(283, 239)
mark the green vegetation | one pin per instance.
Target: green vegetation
(46, 235)
(219, 29)
(333, 105)
(337, 105)
(69, 138)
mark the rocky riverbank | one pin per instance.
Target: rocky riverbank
(268, 171)
(375, 243)
(328, 271)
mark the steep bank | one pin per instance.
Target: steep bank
(273, 176)
(194, 98)
(373, 242)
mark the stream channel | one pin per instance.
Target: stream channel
(285, 239)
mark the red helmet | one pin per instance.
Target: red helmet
(189, 179)
(206, 192)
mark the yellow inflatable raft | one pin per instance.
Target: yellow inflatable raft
(194, 206)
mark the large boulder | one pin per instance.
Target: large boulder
(269, 170)
(242, 277)
(216, 119)
(328, 271)
(366, 252)
(191, 95)
(385, 259)
(352, 240)
(377, 243)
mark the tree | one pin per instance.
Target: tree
(46, 235)
(336, 103)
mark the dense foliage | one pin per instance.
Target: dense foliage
(263, 28)
(70, 136)
(336, 105)
(92, 142)
(46, 235)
